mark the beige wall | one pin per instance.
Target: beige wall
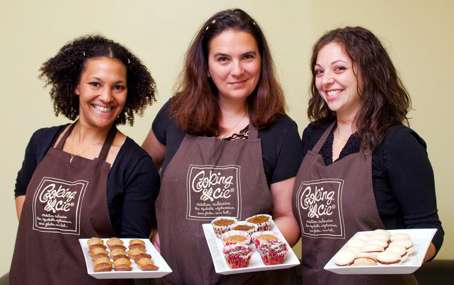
(418, 35)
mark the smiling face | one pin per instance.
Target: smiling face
(102, 91)
(234, 64)
(336, 81)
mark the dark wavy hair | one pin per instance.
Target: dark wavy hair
(63, 71)
(195, 105)
(385, 101)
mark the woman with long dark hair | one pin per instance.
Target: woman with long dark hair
(363, 169)
(225, 147)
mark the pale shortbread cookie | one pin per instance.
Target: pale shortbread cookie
(344, 257)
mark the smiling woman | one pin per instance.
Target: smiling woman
(84, 179)
(227, 120)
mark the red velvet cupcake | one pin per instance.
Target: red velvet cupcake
(273, 252)
(237, 255)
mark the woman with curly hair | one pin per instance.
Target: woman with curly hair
(363, 169)
(225, 147)
(86, 178)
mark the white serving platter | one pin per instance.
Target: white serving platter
(135, 273)
(255, 264)
(421, 239)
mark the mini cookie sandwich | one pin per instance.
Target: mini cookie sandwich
(115, 243)
(137, 253)
(388, 257)
(263, 221)
(222, 225)
(247, 227)
(402, 242)
(117, 253)
(364, 260)
(97, 252)
(136, 243)
(122, 264)
(373, 247)
(237, 255)
(397, 249)
(260, 237)
(102, 264)
(146, 264)
(236, 237)
(95, 241)
(344, 257)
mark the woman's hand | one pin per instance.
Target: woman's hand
(282, 193)
(430, 252)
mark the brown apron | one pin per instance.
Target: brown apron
(208, 178)
(65, 200)
(332, 203)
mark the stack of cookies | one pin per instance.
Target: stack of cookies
(378, 247)
(116, 257)
(137, 251)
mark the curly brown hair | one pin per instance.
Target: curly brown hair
(63, 73)
(385, 101)
(195, 106)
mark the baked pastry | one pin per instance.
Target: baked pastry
(146, 264)
(115, 243)
(137, 243)
(122, 264)
(96, 252)
(94, 241)
(236, 237)
(237, 255)
(247, 227)
(272, 251)
(117, 253)
(265, 236)
(344, 257)
(365, 260)
(222, 225)
(388, 257)
(102, 264)
(137, 253)
(263, 221)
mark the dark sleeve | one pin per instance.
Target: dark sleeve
(140, 188)
(412, 180)
(161, 123)
(37, 147)
(312, 134)
(288, 150)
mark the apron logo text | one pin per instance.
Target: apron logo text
(214, 185)
(60, 199)
(318, 202)
(213, 191)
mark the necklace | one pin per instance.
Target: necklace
(230, 131)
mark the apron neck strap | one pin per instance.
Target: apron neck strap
(105, 148)
(253, 133)
(108, 143)
(323, 138)
(62, 141)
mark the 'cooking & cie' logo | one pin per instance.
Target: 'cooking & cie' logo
(213, 191)
(57, 205)
(320, 208)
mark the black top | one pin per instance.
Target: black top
(132, 184)
(281, 146)
(402, 175)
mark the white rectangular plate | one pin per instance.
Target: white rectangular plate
(135, 273)
(421, 239)
(255, 264)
